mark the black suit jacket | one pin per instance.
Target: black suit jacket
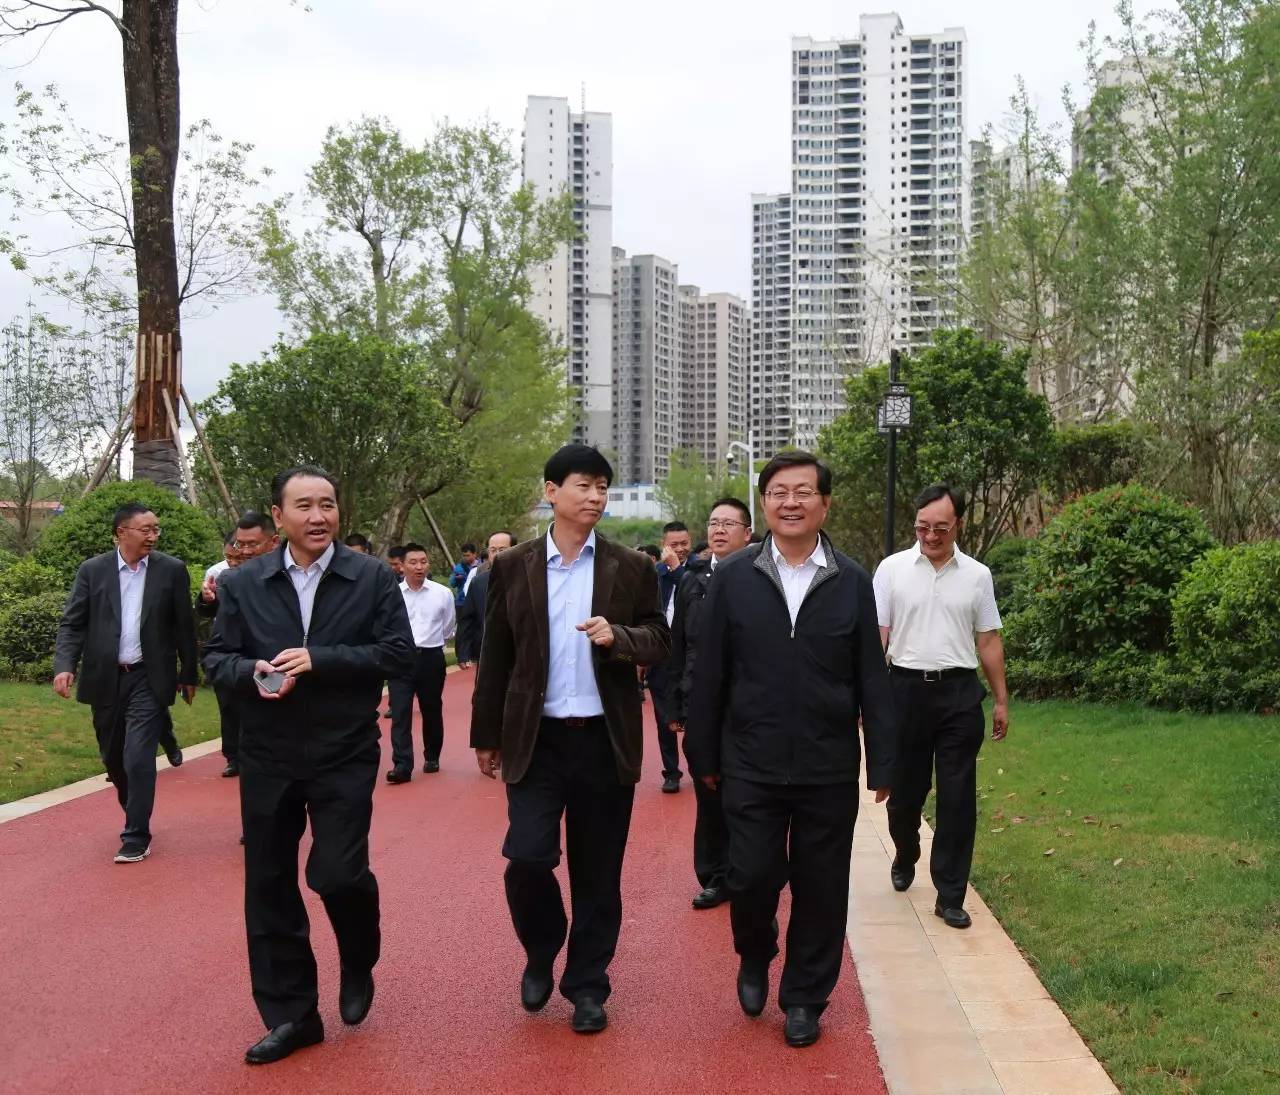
(511, 683)
(359, 636)
(89, 632)
(471, 618)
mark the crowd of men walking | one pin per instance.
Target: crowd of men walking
(764, 655)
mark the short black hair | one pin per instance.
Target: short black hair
(737, 504)
(674, 526)
(468, 546)
(251, 518)
(413, 547)
(396, 552)
(127, 510)
(936, 491)
(651, 550)
(229, 537)
(796, 458)
(576, 460)
(282, 479)
(504, 532)
(357, 539)
(700, 547)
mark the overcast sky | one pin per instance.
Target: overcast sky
(699, 93)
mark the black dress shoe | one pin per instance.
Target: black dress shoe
(232, 769)
(398, 776)
(753, 987)
(284, 1039)
(535, 987)
(671, 785)
(175, 757)
(953, 918)
(802, 1027)
(710, 897)
(431, 766)
(902, 874)
(588, 1016)
(355, 995)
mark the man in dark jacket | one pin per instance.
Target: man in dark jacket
(471, 614)
(128, 629)
(569, 617)
(728, 531)
(788, 659)
(305, 637)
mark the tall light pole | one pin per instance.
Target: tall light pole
(893, 414)
(748, 450)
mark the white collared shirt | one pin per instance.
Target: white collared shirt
(306, 580)
(933, 614)
(571, 677)
(796, 580)
(433, 615)
(133, 583)
(216, 569)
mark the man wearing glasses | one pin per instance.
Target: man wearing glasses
(129, 627)
(788, 659)
(938, 619)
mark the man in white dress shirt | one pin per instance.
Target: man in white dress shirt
(433, 617)
(938, 619)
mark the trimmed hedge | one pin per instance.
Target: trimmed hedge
(27, 578)
(27, 631)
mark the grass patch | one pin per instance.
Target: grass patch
(47, 742)
(1134, 856)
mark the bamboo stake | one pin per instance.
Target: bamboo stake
(208, 455)
(177, 443)
(118, 435)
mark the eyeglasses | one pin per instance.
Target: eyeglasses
(146, 530)
(934, 530)
(725, 523)
(801, 494)
(241, 545)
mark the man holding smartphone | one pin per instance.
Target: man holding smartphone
(305, 635)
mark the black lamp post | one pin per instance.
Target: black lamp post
(893, 414)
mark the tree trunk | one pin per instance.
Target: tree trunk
(151, 103)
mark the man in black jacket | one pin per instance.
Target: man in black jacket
(471, 615)
(305, 636)
(728, 531)
(788, 659)
(129, 630)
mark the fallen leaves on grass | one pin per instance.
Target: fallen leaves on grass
(1117, 862)
(1050, 851)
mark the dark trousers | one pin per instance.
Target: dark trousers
(782, 833)
(940, 724)
(230, 719)
(668, 740)
(128, 732)
(427, 684)
(274, 807)
(572, 775)
(710, 837)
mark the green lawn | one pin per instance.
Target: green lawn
(1134, 856)
(47, 742)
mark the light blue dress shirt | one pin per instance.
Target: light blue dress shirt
(306, 580)
(132, 584)
(571, 681)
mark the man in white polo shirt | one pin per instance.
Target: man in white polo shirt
(938, 620)
(433, 618)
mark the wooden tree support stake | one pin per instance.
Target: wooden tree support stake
(122, 430)
(172, 415)
(436, 531)
(208, 455)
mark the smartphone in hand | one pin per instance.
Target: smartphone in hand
(269, 682)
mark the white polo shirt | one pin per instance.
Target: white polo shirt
(932, 615)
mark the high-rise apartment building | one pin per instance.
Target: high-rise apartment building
(714, 378)
(878, 196)
(573, 293)
(771, 321)
(646, 365)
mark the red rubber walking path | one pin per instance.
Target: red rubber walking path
(134, 979)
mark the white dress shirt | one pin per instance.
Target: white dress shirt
(571, 678)
(216, 569)
(133, 583)
(796, 580)
(306, 580)
(932, 614)
(433, 615)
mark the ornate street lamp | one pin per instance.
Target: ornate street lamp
(893, 414)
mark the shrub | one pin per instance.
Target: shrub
(27, 578)
(7, 559)
(1226, 629)
(1007, 559)
(1102, 574)
(84, 528)
(27, 631)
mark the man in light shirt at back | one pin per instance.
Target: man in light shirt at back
(433, 617)
(938, 620)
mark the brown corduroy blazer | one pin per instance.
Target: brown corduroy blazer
(511, 680)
